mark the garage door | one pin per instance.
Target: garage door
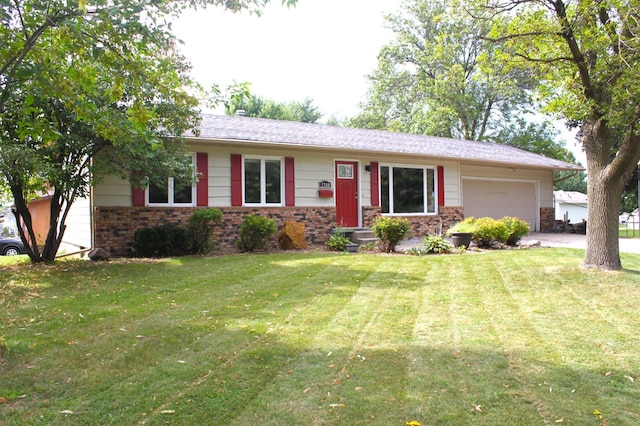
(500, 198)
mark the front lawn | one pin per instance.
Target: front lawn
(514, 337)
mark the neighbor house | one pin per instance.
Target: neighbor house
(570, 206)
(325, 176)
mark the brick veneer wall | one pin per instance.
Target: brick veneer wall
(115, 226)
(547, 218)
(421, 225)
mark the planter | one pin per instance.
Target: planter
(459, 239)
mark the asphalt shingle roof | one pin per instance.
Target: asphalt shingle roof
(288, 133)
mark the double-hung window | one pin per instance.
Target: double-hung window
(174, 193)
(407, 189)
(263, 181)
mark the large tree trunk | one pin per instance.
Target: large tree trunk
(604, 195)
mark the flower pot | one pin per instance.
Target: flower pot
(459, 239)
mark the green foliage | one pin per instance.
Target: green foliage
(161, 241)
(435, 244)
(489, 230)
(254, 232)
(337, 241)
(517, 228)
(467, 225)
(390, 231)
(256, 106)
(201, 226)
(438, 76)
(89, 89)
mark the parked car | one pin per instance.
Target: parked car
(11, 247)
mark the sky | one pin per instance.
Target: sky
(320, 49)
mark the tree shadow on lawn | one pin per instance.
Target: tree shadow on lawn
(181, 373)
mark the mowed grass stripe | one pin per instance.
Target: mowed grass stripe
(349, 359)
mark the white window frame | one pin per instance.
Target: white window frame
(171, 193)
(263, 181)
(424, 169)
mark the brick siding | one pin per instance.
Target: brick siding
(115, 226)
(547, 219)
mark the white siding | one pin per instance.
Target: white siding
(112, 192)
(77, 235)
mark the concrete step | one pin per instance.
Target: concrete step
(363, 236)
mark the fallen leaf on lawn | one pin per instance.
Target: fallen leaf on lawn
(66, 412)
(181, 361)
(329, 354)
(630, 378)
(306, 390)
(336, 405)
(358, 388)
(344, 368)
(167, 411)
(559, 420)
(608, 373)
(412, 423)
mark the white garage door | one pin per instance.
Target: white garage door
(500, 198)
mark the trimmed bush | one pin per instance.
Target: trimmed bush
(390, 231)
(161, 241)
(254, 232)
(201, 226)
(489, 230)
(467, 225)
(517, 228)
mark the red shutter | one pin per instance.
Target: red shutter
(137, 197)
(375, 184)
(202, 188)
(440, 186)
(236, 179)
(289, 182)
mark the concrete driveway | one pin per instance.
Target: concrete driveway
(627, 245)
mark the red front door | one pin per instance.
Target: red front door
(347, 193)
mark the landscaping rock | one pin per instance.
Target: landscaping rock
(530, 243)
(98, 254)
(292, 236)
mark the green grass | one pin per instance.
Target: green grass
(628, 232)
(518, 337)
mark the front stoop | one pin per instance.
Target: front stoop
(363, 236)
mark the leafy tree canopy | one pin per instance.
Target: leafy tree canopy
(88, 89)
(257, 106)
(585, 55)
(438, 76)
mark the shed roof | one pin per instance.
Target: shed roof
(321, 136)
(570, 197)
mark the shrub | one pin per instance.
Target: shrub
(489, 230)
(436, 244)
(161, 241)
(337, 241)
(254, 232)
(517, 228)
(390, 231)
(467, 226)
(200, 226)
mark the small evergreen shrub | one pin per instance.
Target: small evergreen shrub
(489, 230)
(254, 232)
(390, 231)
(337, 241)
(201, 226)
(161, 241)
(517, 228)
